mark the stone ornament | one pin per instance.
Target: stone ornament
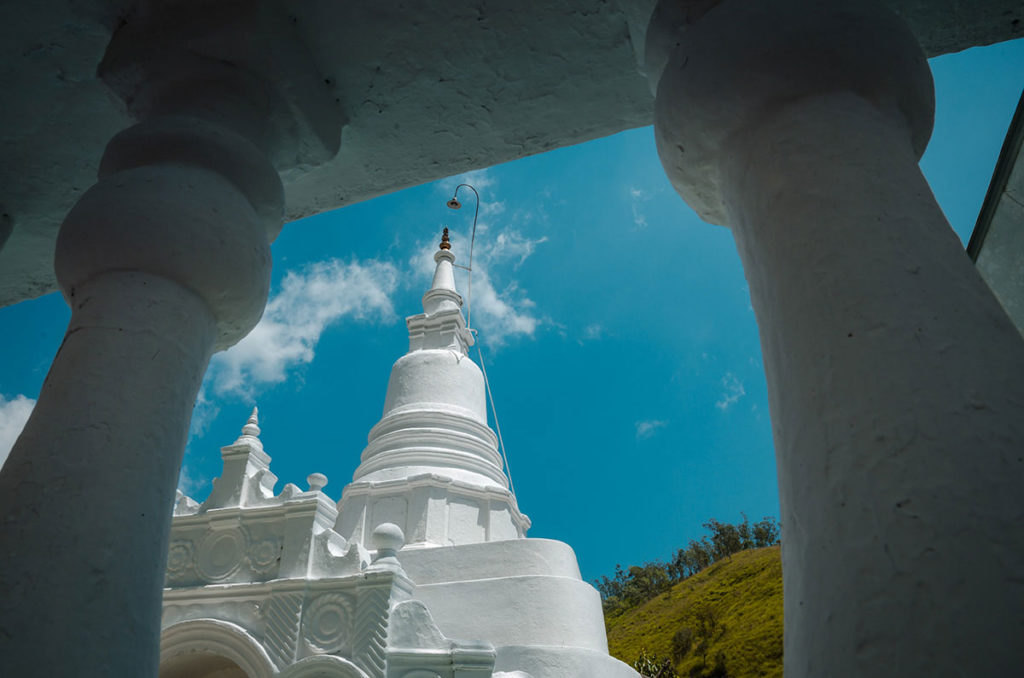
(327, 623)
(265, 555)
(180, 557)
(220, 553)
(322, 666)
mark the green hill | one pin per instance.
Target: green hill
(726, 620)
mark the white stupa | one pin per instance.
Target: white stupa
(422, 570)
(432, 465)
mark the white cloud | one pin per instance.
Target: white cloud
(500, 315)
(592, 332)
(309, 301)
(733, 391)
(493, 208)
(13, 415)
(480, 179)
(511, 245)
(646, 429)
(205, 409)
(189, 482)
(637, 196)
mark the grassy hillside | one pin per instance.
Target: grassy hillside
(729, 614)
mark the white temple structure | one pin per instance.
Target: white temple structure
(422, 570)
(157, 147)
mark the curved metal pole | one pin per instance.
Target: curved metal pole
(472, 241)
(469, 321)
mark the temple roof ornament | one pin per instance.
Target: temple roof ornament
(252, 426)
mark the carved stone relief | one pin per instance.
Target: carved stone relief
(220, 553)
(327, 623)
(180, 560)
(265, 556)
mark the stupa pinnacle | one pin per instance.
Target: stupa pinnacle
(252, 426)
(433, 436)
(442, 295)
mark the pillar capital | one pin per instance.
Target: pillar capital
(187, 224)
(722, 67)
(243, 66)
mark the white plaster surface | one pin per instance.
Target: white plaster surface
(443, 378)
(893, 374)
(515, 557)
(561, 662)
(426, 91)
(519, 610)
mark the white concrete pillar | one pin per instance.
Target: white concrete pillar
(896, 381)
(162, 262)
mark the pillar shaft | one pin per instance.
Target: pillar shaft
(894, 375)
(896, 397)
(164, 261)
(87, 491)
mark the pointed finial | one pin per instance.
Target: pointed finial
(252, 427)
(445, 244)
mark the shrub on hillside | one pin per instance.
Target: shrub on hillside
(652, 666)
(643, 582)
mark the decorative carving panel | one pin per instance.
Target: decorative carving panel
(220, 553)
(327, 623)
(265, 556)
(180, 561)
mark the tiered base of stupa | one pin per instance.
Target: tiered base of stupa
(262, 586)
(524, 596)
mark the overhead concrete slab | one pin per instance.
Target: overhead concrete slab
(427, 89)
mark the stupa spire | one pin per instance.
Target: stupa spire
(251, 430)
(442, 295)
(432, 452)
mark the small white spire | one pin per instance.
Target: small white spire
(252, 427)
(442, 295)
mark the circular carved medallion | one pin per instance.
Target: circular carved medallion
(327, 622)
(220, 553)
(264, 555)
(179, 558)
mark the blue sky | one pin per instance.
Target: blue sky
(617, 329)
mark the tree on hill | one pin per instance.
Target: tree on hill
(643, 582)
